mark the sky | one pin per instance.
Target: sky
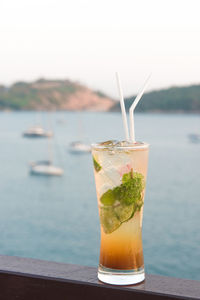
(89, 40)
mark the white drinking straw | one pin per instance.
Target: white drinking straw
(132, 108)
(124, 118)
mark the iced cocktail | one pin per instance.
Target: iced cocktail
(120, 170)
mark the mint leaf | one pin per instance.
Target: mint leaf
(130, 191)
(97, 166)
(126, 177)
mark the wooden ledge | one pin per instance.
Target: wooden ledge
(27, 279)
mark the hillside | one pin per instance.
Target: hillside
(67, 95)
(52, 95)
(174, 99)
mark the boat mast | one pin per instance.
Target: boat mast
(50, 147)
(50, 150)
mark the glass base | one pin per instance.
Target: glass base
(120, 277)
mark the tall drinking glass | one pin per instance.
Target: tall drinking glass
(120, 170)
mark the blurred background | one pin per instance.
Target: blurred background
(58, 94)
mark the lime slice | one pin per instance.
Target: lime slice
(108, 198)
(97, 166)
(124, 212)
(108, 219)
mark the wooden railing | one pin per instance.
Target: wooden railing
(28, 279)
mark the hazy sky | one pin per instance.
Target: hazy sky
(88, 40)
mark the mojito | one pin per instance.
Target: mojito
(120, 170)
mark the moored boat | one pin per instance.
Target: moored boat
(79, 147)
(194, 138)
(45, 168)
(37, 132)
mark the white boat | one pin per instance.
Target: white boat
(194, 138)
(79, 147)
(45, 168)
(37, 132)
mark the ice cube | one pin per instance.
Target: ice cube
(114, 165)
(125, 144)
(109, 178)
(122, 144)
(108, 143)
(104, 188)
(104, 183)
(113, 159)
(113, 175)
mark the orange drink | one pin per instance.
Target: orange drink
(120, 170)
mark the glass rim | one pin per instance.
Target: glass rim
(136, 146)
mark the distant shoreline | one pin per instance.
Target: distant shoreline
(66, 95)
(109, 111)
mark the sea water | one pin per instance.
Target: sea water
(56, 218)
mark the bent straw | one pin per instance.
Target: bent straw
(132, 108)
(124, 118)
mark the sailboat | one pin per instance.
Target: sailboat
(78, 147)
(37, 131)
(46, 167)
(194, 138)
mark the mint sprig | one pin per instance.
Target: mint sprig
(130, 191)
(123, 201)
